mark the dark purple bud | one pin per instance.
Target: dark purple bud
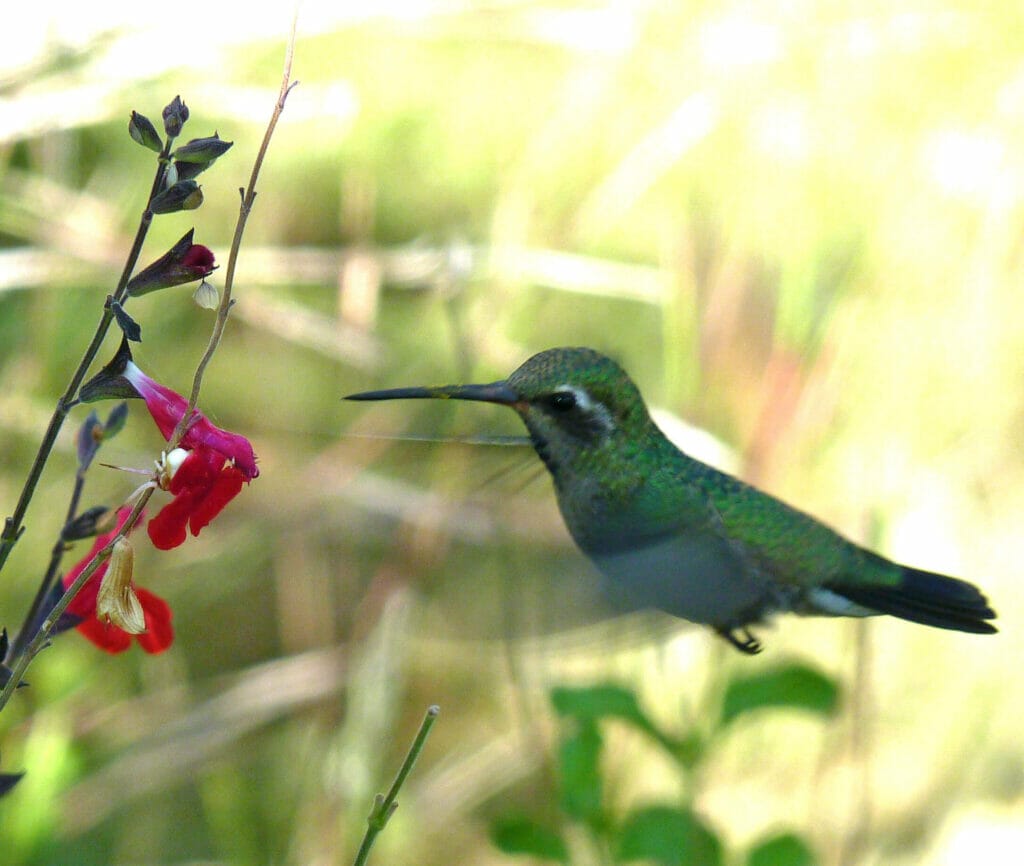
(115, 421)
(189, 170)
(87, 524)
(185, 262)
(184, 195)
(141, 129)
(204, 150)
(175, 115)
(90, 434)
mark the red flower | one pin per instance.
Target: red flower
(204, 474)
(202, 484)
(159, 633)
(167, 407)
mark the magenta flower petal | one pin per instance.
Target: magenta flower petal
(167, 408)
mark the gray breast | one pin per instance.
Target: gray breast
(696, 575)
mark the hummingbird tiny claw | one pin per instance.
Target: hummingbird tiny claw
(748, 644)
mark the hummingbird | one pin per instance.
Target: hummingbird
(669, 532)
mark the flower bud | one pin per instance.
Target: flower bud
(90, 434)
(198, 155)
(87, 524)
(141, 129)
(184, 195)
(202, 149)
(115, 421)
(116, 600)
(175, 115)
(182, 263)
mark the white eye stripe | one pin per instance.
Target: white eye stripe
(582, 397)
(594, 409)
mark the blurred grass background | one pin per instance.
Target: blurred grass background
(797, 224)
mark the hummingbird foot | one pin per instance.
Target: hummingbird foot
(746, 644)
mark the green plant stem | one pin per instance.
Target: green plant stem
(13, 525)
(384, 806)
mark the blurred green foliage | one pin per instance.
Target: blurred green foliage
(667, 834)
(797, 224)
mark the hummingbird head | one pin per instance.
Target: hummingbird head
(576, 403)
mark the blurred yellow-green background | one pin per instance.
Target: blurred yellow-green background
(798, 224)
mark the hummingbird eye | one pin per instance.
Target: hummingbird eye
(562, 401)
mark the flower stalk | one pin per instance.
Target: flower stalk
(122, 597)
(14, 525)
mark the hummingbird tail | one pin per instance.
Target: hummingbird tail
(926, 598)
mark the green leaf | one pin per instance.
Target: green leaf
(795, 686)
(597, 702)
(609, 701)
(525, 836)
(579, 759)
(787, 849)
(670, 836)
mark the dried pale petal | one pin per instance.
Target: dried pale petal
(116, 600)
(206, 296)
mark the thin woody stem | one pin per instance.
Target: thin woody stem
(13, 526)
(248, 198)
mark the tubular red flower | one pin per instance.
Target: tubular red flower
(167, 408)
(159, 634)
(205, 471)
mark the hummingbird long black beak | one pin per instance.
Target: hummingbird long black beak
(494, 392)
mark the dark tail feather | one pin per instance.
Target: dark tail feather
(927, 598)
